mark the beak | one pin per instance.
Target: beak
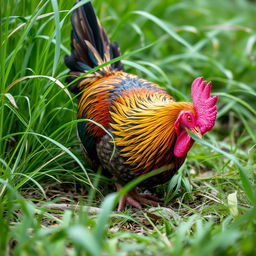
(197, 132)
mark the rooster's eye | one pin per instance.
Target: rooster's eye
(189, 118)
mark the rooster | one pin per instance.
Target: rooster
(136, 126)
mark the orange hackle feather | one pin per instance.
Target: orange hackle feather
(143, 123)
(93, 103)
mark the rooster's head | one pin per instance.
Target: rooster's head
(199, 121)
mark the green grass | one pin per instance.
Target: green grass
(209, 206)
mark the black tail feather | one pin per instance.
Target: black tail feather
(90, 45)
(114, 53)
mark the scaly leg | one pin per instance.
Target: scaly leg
(135, 199)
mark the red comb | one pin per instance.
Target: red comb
(204, 104)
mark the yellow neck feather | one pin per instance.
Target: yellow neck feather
(144, 129)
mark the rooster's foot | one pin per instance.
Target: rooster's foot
(135, 199)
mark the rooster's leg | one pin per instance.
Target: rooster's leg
(135, 199)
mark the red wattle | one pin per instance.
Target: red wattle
(183, 144)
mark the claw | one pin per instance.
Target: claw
(135, 199)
